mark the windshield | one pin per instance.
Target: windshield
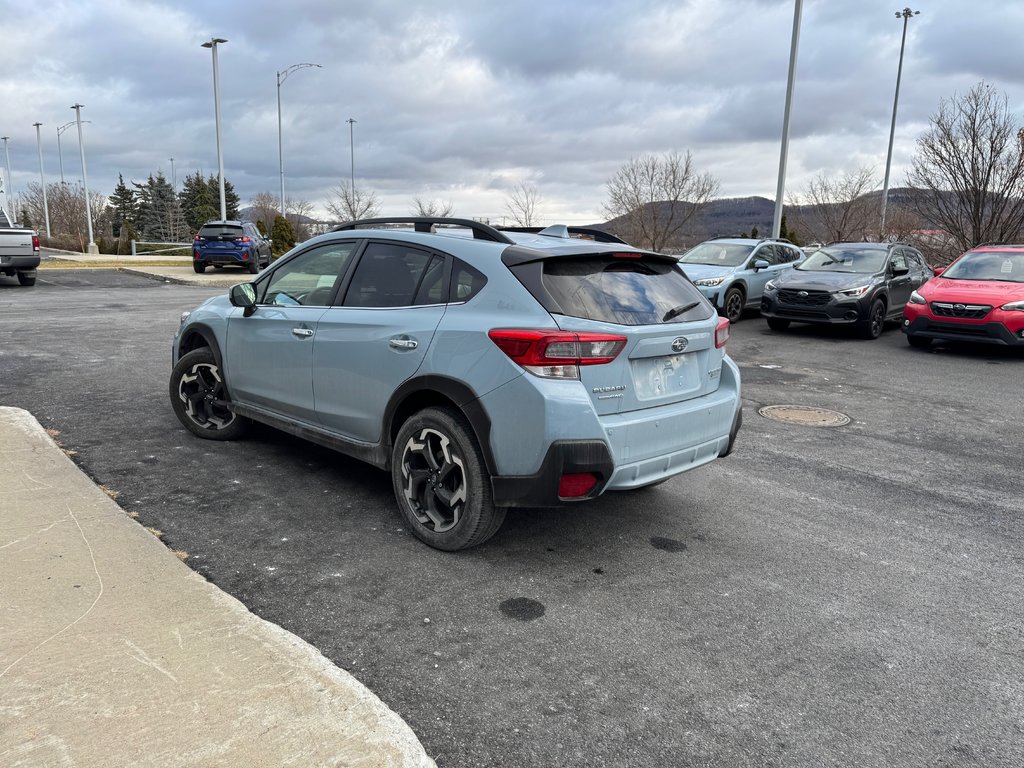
(719, 254)
(1004, 266)
(838, 259)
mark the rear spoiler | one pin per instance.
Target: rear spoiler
(565, 232)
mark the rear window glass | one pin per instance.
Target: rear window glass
(624, 291)
(220, 230)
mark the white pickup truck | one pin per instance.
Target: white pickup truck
(19, 251)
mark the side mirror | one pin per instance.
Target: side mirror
(243, 295)
(897, 271)
(761, 264)
(939, 270)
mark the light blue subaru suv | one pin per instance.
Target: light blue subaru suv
(484, 369)
(732, 272)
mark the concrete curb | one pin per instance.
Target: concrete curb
(114, 652)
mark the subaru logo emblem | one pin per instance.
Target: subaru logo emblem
(678, 345)
(802, 293)
(958, 309)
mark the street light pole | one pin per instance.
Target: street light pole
(781, 188)
(281, 77)
(85, 178)
(174, 179)
(905, 14)
(42, 178)
(7, 182)
(212, 45)
(352, 155)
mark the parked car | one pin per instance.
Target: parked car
(979, 297)
(499, 370)
(230, 243)
(862, 284)
(19, 251)
(732, 272)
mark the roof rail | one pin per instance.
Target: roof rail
(563, 231)
(426, 223)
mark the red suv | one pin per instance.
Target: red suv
(979, 297)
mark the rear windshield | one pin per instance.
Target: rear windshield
(624, 291)
(220, 230)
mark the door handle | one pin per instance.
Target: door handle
(403, 342)
(302, 333)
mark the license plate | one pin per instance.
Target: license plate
(655, 377)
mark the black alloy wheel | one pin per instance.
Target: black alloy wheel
(872, 328)
(733, 305)
(441, 482)
(200, 399)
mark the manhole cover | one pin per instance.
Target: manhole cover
(804, 415)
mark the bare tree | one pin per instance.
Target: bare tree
(432, 208)
(655, 196)
(521, 204)
(969, 169)
(351, 203)
(264, 209)
(836, 208)
(66, 204)
(299, 215)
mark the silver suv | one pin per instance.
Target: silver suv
(484, 369)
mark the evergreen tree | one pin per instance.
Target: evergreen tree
(283, 235)
(123, 205)
(159, 215)
(753, 232)
(231, 198)
(199, 202)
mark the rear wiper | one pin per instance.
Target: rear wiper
(677, 311)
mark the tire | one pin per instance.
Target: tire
(732, 305)
(253, 265)
(198, 267)
(26, 280)
(872, 328)
(777, 324)
(441, 483)
(200, 400)
(920, 342)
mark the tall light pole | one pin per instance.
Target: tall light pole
(781, 188)
(212, 45)
(174, 179)
(281, 77)
(8, 183)
(60, 156)
(905, 14)
(352, 155)
(42, 178)
(85, 178)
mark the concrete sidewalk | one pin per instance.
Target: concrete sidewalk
(146, 265)
(114, 653)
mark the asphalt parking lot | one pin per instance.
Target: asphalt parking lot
(846, 596)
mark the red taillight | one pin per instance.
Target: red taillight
(197, 237)
(576, 485)
(557, 354)
(195, 254)
(721, 332)
(243, 239)
(35, 242)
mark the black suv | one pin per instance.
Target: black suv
(862, 284)
(230, 243)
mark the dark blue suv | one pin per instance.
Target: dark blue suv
(232, 243)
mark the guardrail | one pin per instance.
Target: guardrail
(174, 247)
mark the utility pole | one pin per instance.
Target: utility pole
(781, 189)
(905, 14)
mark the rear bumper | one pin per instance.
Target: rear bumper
(224, 257)
(12, 264)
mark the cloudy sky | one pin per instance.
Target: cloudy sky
(461, 100)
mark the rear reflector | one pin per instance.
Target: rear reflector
(576, 485)
(557, 354)
(721, 332)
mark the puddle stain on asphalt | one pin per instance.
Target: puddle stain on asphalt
(522, 608)
(667, 545)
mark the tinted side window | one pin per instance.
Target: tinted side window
(623, 291)
(788, 254)
(387, 275)
(433, 289)
(898, 260)
(309, 279)
(766, 252)
(466, 282)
